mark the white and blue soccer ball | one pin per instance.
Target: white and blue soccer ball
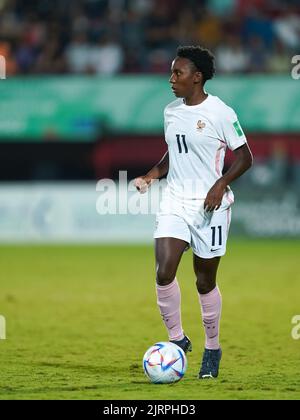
(164, 363)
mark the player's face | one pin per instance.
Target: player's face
(183, 77)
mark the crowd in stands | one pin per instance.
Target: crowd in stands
(141, 36)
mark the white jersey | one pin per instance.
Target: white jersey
(197, 138)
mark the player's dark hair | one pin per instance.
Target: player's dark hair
(202, 58)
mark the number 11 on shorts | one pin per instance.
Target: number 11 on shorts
(213, 239)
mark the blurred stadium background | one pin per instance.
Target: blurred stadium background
(86, 84)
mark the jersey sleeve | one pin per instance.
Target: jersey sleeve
(232, 130)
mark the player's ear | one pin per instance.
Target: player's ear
(198, 78)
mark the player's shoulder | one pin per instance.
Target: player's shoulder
(224, 110)
(172, 106)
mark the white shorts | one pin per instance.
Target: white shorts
(205, 232)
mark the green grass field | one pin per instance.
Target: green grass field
(79, 320)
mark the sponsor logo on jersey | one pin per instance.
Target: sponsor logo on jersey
(200, 125)
(238, 128)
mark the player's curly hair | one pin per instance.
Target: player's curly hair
(202, 58)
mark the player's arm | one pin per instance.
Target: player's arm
(243, 161)
(158, 171)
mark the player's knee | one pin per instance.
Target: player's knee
(164, 275)
(205, 284)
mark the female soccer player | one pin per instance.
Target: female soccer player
(195, 210)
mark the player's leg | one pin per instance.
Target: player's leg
(209, 238)
(168, 253)
(209, 297)
(211, 304)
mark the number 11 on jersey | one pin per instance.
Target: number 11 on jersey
(182, 140)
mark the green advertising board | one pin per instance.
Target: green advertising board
(80, 108)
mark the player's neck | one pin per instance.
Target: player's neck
(196, 98)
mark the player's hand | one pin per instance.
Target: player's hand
(214, 196)
(142, 183)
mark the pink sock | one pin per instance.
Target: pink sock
(168, 300)
(211, 305)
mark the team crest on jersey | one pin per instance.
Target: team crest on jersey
(200, 125)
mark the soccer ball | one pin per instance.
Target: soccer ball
(164, 363)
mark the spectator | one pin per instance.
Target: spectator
(209, 30)
(107, 57)
(26, 56)
(258, 55)
(158, 61)
(221, 8)
(185, 28)
(280, 60)
(11, 64)
(50, 60)
(145, 34)
(287, 28)
(159, 31)
(78, 54)
(231, 57)
(257, 25)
